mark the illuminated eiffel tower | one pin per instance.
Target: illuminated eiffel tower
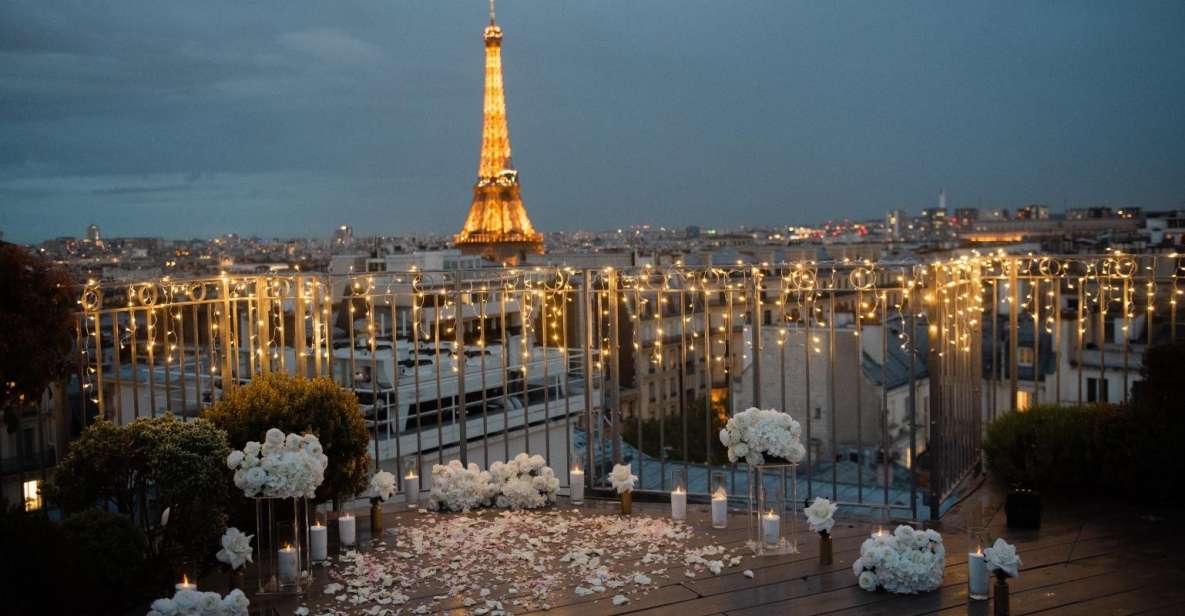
(497, 227)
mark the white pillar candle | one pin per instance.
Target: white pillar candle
(287, 568)
(719, 509)
(576, 494)
(411, 488)
(185, 584)
(345, 530)
(678, 505)
(977, 576)
(771, 526)
(318, 542)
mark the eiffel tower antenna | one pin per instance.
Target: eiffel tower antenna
(491, 11)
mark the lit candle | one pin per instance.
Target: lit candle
(719, 509)
(977, 575)
(576, 494)
(345, 530)
(411, 488)
(185, 584)
(678, 504)
(287, 565)
(771, 525)
(318, 542)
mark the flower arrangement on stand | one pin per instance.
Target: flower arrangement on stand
(236, 552)
(756, 433)
(1002, 560)
(456, 487)
(820, 516)
(526, 482)
(623, 480)
(908, 561)
(285, 467)
(382, 487)
(195, 603)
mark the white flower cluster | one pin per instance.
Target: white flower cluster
(459, 488)
(382, 486)
(1002, 557)
(526, 482)
(907, 561)
(284, 466)
(622, 478)
(755, 433)
(236, 548)
(195, 603)
(821, 515)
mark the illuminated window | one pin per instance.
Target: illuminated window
(1024, 400)
(32, 493)
(1024, 356)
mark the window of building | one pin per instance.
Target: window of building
(1096, 390)
(818, 413)
(652, 396)
(32, 494)
(1024, 356)
(1024, 400)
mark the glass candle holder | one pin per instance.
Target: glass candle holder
(576, 485)
(772, 520)
(678, 494)
(718, 485)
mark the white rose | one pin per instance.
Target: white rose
(234, 459)
(164, 607)
(820, 515)
(868, 581)
(1002, 556)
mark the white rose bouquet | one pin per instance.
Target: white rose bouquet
(526, 482)
(195, 603)
(622, 478)
(1002, 559)
(236, 548)
(820, 516)
(907, 561)
(382, 486)
(460, 488)
(755, 433)
(284, 466)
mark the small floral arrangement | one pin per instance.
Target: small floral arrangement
(236, 548)
(526, 482)
(755, 433)
(283, 466)
(382, 486)
(907, 561)
(195, 603)
(622, 478)
(1002, 559)
(820, 516)
(456, 487)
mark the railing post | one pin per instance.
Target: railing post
(936, 441)
(587, 334)
(1013, 330)
(755, 329)
(459, 354)
(615, 416)
(224, 335)
(300, 340)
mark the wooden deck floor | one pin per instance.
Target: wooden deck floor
(1091, 558)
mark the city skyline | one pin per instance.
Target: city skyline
(289, 123)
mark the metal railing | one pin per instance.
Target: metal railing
(891, 368)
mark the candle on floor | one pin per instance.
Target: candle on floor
(977, 575)
(318, 542)
(288, 569)
(720, 508)
(678, 504)
(576, 481)
(411, 488)
(771, 526)
(345, 530)
(185, 584)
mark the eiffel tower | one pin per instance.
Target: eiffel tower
(497, 227)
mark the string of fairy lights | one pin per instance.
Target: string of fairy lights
(247, 321)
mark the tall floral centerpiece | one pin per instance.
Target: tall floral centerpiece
(382, 487)
(1003, 560)
(820, 516)
(285, 467)
(236, 552)
(623, 480)
(906, 561)
(770, 443)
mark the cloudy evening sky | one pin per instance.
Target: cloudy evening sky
(287, 118)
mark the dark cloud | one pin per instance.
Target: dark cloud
(289, 117)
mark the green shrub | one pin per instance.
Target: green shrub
(1048, 447)
(145, 467)
(299, 405)
(37, 561)
(110, 555)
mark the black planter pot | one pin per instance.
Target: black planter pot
(1023, 509)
